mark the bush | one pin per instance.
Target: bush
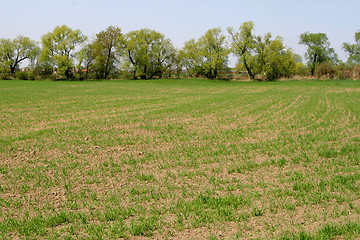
(125, 75)
(301, 70)
(31, 76)
(77, 77)
(325, 70)
(343, 72)
(356, 72)
(21, 75)
(5, 76)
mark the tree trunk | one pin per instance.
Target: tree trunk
(13, 66)
(313, 65)
(251, 75)
(144, 75)
(87, 72)
(17, 61)
(313, 70)
(12, 69)
(215, 73)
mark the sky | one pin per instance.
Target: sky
(181, 20)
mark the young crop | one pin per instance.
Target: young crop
(180, 159)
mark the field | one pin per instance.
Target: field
(179, 159)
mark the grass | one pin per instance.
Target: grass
(179, 159)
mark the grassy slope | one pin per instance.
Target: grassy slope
(179, 158)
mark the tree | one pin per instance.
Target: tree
(176, 66)
(261, 54)
(58, 49)
(86, 58)
(353, 50)
(147, 53)
(15, 51)
(243, 46)
(214, 51)
(318, 49)
(278, 61)
(208, 55)
(105, 48)
(190, 56)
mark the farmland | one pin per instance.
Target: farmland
(179, 159)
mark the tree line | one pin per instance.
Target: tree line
(68, 54)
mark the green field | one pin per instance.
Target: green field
(179, 159)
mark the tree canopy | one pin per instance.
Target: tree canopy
(147, 53)
(353, 50)
(243, 46)
(14, 51)
(261, 54)
(58, 49)
(318, 49)
(207, 55)
(66, 54)
(105, 48)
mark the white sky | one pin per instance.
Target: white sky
(181, 20)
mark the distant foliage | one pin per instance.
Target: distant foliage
(353, 50)
(147, 54)
(22, 75)
(103, 52)
(207, 56)
(318, 50)
(58, 51)
(15, 51)
(261, 55)
(66, 54)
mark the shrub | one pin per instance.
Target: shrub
(5, 76)
(356, 72)
(343, 72)
(21, 75)
(31, 76)
(325, 70)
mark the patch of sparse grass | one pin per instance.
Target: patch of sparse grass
(144, 226)
(175, 158)
(349, 230)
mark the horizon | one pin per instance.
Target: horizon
(190, 20)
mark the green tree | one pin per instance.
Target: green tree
(58, 49)
(243, 45)
(190, 56)
(105, 49)
(5, 47)
(176, 66)
(15, 51)
(147, 53)
(86, 59)
(353, 50)
(318, 49)
(278, 61)
(261, 54)
(214, 51)
(208, 55)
